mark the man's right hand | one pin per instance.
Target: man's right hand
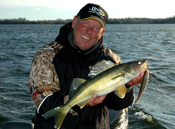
(96, 100)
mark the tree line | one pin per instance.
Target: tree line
(25, 21)
(170, 20)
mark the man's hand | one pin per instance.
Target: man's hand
(137, 80)
(96, 100)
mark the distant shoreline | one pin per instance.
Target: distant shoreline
(170, 20)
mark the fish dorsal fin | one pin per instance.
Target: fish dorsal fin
(76, 83)
(100, 67)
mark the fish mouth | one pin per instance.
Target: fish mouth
(85, 37)
(144, 65)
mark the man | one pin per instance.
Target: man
(77, 48)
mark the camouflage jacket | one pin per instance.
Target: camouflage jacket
(43, 80)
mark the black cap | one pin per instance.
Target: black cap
(94, 11)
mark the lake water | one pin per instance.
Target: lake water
(154, 42)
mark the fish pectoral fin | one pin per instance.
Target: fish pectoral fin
(82, 104)
(76, 83)
(120, 91)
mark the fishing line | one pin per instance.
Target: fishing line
(162, 92)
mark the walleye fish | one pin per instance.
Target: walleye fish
(112, 79)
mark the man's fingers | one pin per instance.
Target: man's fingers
(91, 101)
(100, 99)
(136, 81)
(96, 100)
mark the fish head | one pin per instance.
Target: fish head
(132, 69)
(139, 66)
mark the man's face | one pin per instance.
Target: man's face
(86, 32)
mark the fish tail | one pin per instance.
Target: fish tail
(58, 113)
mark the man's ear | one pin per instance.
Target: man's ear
(74, 22)
(103, 31)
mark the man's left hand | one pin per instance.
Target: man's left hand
(137, 80)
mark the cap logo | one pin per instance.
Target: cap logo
(97, 11)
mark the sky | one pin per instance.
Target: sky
(67, 9)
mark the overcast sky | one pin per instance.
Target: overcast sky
(67, 9)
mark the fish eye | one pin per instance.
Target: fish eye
(139, 62)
